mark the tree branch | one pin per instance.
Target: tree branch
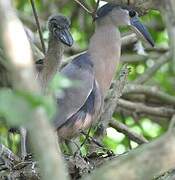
(151, 71)
(18, 51)
(120, 127)
(149, 91)
(142, 6)
(142, 108)
(38, 25)
(8, 156)
(84, 7)
(168, 10)
(141, 163)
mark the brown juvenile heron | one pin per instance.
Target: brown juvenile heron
(94, 70)
(59, 38)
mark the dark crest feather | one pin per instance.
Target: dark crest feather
(107, 8)
(104, 10)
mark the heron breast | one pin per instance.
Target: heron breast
(82, 119)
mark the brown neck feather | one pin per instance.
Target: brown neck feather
(105, 49)
(52, 61)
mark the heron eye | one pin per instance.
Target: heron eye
(132, 13)
(54, 25)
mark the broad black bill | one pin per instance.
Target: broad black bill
(141, 30)
(64, 36)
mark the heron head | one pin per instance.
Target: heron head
(58, 26)
(122, 16)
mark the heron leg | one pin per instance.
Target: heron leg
(23, 133)
(86, 138)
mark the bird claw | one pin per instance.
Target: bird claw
(27, 157)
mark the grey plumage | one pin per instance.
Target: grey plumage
(80, 106)
(81, 71)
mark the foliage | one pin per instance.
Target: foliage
(82, 28)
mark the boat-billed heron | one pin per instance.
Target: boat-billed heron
(94, 70)
(59, 38)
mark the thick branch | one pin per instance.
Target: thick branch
(149, 91)
(168, 12)
(141, 6)
(17, 49)
(144, 162)
(142, 108)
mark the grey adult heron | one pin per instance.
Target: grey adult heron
(80, 106)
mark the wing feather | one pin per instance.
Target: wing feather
(79, 70)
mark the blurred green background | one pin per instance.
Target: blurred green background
(82, 28)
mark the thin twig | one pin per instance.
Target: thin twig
(8, 156)
(151, 71)
(83, 6)
(95, 10)
(14, 167)
(120, 127)
(93, 139)
(38, 26)
(97, 4)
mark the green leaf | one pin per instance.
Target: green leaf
(59, 82)
(13, 108)
(17, 106)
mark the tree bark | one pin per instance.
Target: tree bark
(18, 52)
